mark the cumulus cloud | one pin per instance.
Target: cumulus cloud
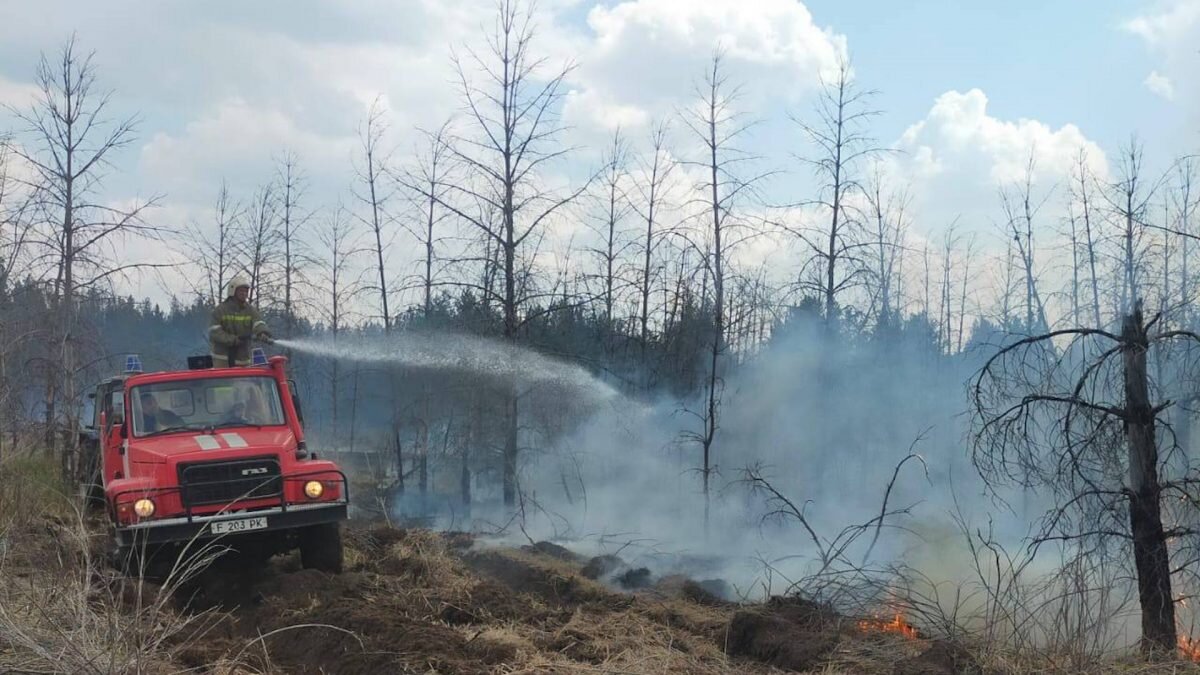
(959, 154)
(234, 137)
(1171, 23)
(1171, 32)
(1161, 85)
(646, 55)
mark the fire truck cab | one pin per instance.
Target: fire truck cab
(182, 459)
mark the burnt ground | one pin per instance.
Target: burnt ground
(416, 601)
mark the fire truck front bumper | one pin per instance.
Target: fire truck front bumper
(221, 526)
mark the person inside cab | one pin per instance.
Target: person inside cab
(235, 322)
(155, 418)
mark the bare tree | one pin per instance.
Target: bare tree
(215, 248)
(612, 207)
(261, 240)
(1185, 199)
(1129, 199)
(70, 146)
(511, 106)
(652, 195)
(428, 184)
(1081, 194)
(1080, 422)
(718, 127)
(1020, 206)
(292, 220)
(842, 143)
(887, 214)
(340, 249)
(374, 191)
(15, 227)
(945, 322)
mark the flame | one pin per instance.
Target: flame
(1189, 648)
(897, 625)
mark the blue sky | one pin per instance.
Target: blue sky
(224, 87)
(1059, 62)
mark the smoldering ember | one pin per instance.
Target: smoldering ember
(599, 336)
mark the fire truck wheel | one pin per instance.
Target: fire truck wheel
(321, 548)
(90, 488)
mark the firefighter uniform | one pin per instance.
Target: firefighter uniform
(234, 323)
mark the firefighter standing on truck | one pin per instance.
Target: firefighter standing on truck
(235, 322)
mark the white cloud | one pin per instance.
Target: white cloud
(959, 133)
(1171, 32)
(1171, 23)
(239, 141)
(1161, 85)
(959, 155)
(646, 55)
(16, 94)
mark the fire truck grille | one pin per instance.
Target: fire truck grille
(225, 482)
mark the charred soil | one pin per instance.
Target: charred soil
(416, 601)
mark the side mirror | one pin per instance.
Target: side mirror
(296, 400)
(299, 410)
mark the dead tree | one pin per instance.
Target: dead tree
(260, 241)
(1073, 413)
(651, 200)
(887, 212)
(1020, 206)
(69, 147)
(374, 191)
(292, 221)
(612, 207)
(511, 104)
(839, 133)
(1128, 200)
(215, 248)
(341, 248)
(1081, 194)
(718, 127)
(428, 184)
(950, 244)
(1185, 199)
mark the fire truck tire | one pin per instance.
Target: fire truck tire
(321, 548)
(90, 488)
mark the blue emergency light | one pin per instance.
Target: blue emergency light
(133, 363)
(258, 357)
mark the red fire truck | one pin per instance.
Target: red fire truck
(185, 458)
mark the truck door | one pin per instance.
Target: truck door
(114, 414)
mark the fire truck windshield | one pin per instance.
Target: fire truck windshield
(184, 405)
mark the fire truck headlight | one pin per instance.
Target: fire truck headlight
(313, 489)
(144, 508)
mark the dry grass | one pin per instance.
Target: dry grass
(30, 491)
(62, 608)
(466, 610)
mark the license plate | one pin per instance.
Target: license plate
(243, 525)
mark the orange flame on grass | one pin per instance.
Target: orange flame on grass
(897, 625)
(1189, 648)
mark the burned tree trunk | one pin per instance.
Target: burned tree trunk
(1145, 512)
(1063, 417)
